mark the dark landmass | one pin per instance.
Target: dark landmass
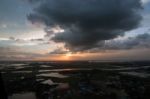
(77, 79)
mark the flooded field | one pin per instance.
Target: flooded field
(72, 80)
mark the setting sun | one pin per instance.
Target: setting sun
(68, 54)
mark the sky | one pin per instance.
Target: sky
(46, 30)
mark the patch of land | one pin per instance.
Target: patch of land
(80, 79)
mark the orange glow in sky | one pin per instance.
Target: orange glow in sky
(63, 57)
(115, 55)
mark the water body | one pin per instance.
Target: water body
(29, 95)
(57, 75)
(137, 74)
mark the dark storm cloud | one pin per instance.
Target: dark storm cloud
(139, 41)
(32, 1)
(87, 22)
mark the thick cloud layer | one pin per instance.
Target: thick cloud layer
(87, 22)
(16, 53)
(58, 51)
(139, 41)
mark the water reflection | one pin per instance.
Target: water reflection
(29, 95)
(57, 75)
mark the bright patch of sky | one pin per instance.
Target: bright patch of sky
(145, 24)
(145, 1)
